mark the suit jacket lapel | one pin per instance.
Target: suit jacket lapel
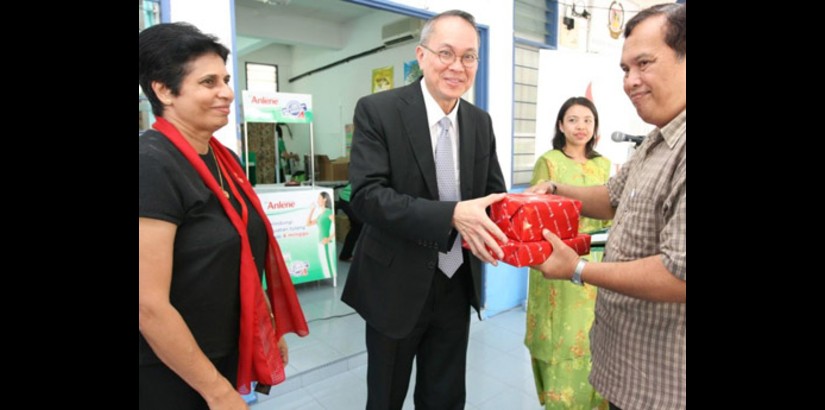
(414, 115)
(466, 148)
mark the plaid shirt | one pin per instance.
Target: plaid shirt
(639, 347)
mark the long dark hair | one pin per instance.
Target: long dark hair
(559, 140)
(327, 200)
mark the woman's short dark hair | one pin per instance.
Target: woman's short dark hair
(164, 53)
(676, 29)
(559, 140)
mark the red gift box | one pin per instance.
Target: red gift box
(533, 253)
(522, 217)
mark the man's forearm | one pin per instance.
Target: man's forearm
(645, 279)
(595, 200)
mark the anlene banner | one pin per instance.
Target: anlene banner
(303, 222)
(262, 106)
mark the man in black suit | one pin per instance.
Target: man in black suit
(410, 280)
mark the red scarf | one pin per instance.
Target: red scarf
(259, 358)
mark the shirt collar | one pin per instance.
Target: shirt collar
(434, 112)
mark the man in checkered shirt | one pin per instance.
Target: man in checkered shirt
(638, 339)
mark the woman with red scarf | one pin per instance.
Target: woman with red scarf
(207, 327)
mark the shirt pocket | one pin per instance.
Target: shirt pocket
(640, 226)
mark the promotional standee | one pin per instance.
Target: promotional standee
(266, 107)
(302, 218)
(304, 225)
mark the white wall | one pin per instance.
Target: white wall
(498, 15)
(592, 35)
(278, 54)
(564, 74)
(336, 90)
(293, 29)
(212, 17)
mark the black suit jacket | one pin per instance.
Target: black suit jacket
(394, 192)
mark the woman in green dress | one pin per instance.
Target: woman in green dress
(326, 231)
(559, 313)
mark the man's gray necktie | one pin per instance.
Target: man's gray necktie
(447, 191)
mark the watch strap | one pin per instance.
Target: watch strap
(577, 274)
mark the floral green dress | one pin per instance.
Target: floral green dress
(559, 313)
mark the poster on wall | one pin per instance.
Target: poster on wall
(262, 106)
(411, 71)
(303, 222)
(382, 79)
(569, 37)
(615, 19)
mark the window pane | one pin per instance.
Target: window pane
(527, 58)
(522, 177)
(525, 126)
(525, 93)
(524, 162)
(530, 20)
(261, 77)
(148, 13)
(524, 110)
(524, 145)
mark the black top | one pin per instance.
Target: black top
(207, 250)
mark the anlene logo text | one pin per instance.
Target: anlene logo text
(280, 205)
(264, 100)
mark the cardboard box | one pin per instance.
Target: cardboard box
(322, 167)
(331, 170)
(335, 170)
(339, 169)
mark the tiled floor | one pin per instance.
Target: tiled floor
(327, 370)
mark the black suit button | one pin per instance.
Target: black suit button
(430, 265)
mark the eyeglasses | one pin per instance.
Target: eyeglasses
(448, 57)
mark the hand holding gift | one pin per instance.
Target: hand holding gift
(523, 217)
(560, 264)
(533, 253)
(479, 234)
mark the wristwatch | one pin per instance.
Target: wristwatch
(577, 274)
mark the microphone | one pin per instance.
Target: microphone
(619, 136)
